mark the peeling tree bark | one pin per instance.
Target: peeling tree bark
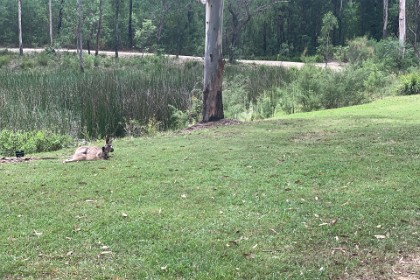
(213, 62)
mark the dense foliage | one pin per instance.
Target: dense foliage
(143, 95)
(263, 28)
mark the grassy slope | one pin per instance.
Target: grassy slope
(301, 197)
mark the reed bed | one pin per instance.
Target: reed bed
(97, 102)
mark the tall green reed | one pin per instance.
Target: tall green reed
(97, 102)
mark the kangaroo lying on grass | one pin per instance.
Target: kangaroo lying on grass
(92, 153)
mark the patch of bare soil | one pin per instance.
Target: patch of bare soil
(204, 125)
(407, 268)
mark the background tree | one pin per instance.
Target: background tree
(130, 24)
(329, 23)
(79, 34)
(402, 27)
(98, 31)
(385, 26)
(116, 27)
(20, 26)
(51, 25)
(258, 28)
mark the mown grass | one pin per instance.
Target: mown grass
(324, 195)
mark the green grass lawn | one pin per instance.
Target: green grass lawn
(332, 194)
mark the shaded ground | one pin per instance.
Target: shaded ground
(218, 123)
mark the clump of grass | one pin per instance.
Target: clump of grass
(410, 84)
(4, 60)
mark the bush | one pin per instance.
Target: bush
(360, 49)
(4, 60)
(27, 64)
(42, 59)
(345, 88)
(388, 53)
(31, 142)
(309, 83)
(410, 84)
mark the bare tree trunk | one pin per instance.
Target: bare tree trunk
(60, 18)
(116, 31)
(130, 24)
(51, 26)
(402, 27)
(385, 27)
(79, 34)
(20, 26)
(98, 33)
(213, 62)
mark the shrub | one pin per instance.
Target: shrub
(360, 49)
(4, 60)
(31, 142)
(178, 119)
(410, 84)
(388, 53)
(345, 88)
(309, 83)
(27, 63)
(42, 59)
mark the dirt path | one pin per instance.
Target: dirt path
(287, 64)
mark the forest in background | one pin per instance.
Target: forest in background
(265, 29)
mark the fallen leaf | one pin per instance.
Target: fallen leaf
(106, 252)
(125, 215)
(380, 236)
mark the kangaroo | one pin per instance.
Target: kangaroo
(91, 153)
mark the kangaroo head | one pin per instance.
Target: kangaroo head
(107, 148)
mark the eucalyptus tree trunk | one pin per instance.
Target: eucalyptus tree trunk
(79, 34)
(385, 26)
(213, 62)
(60, 18)
(20, 26)
(51, 26)
(130, 24)
(116, 31)
(98, 33)
(402, 27)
